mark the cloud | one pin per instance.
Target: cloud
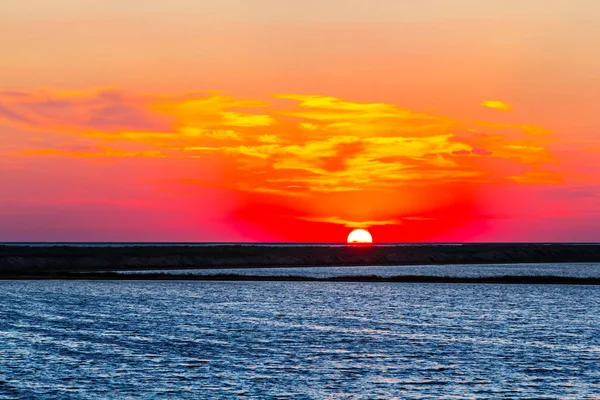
(13, 116)
(117, 117)
(81, 112)
(461, 152)
(475, 151)
(222, 134)
(336, 116)
(304, 144)
(538, 178)
(416, 218)
(309, 126)
(481, 152)
(247, 120)
(94, 152)
(351, 224)
(267, 138)
(12, 93)
(497, 105)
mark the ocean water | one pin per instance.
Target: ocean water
(577, 270)
(297, 340)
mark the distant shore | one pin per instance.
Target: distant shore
(31, 259)
(508, 279)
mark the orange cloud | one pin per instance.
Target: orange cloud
(352, 224)
(538, 178)
(304, 143)
(497, 105)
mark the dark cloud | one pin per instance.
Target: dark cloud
(108, 111)
(13, 116)
(122, 117)
(481, 152)
(461, 152)
(111, 95)
(11, 93)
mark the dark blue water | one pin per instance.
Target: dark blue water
(576, 270)
(223, 340)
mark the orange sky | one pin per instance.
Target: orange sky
(297, 121)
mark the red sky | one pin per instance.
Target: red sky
(298, 121)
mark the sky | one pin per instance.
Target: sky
(273, 121)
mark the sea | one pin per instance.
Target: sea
(571, 270)
(79, 339)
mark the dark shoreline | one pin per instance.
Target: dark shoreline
(507, 279)
(31, 259)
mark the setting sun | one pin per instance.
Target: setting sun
(360, 236)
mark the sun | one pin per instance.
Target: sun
(360, 236)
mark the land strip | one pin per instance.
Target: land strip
(28, 260)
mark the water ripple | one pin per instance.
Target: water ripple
(222, 340)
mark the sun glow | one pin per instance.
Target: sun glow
(360, 236)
